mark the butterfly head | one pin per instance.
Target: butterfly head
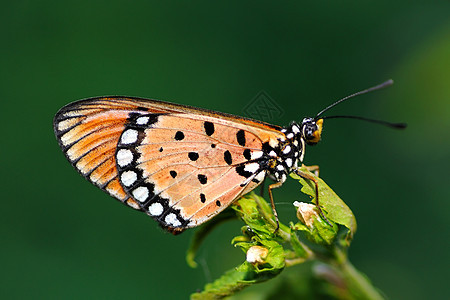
(311, 130)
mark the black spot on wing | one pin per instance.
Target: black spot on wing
(266, 147)
(202, 178)
(241, 171)
(179, 136)
(193, 156)
(247, 154)
(153, 118)
(240, 136)
(209, 128)
(146, 121)
(202, 198)
(227, 157)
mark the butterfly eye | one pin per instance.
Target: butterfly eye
(312, 130)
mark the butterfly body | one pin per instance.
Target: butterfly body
(178, 164)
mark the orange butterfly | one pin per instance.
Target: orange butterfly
(180, 165)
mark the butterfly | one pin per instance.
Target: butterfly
(180, 165)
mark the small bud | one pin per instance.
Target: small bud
(306, 213)
(257, 254)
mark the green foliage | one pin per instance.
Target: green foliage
(335, 210)
(270, 250)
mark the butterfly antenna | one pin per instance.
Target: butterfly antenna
(374, 88)
(377, 87)
(389, 124)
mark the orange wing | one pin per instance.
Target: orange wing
(179, 164)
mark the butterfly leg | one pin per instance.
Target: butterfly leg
(313, 169)
(316, 183)
(274, 186)
(261, 191)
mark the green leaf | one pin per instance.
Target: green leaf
(259, 231)
(333, 207)
(311, 223)
(246, 274)
(256, 214)
(230, 283)
(274, 262)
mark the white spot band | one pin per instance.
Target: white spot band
(252, 168)
(124, 157)
(140, 193)
(156, 209)
(128, 177)
(171, 219)
(129, 136)
(287, 149)
(256, 154)
(142, 120)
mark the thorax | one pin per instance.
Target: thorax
(282, 158)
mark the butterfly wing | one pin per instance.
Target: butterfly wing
(179, 164)
(88, 132)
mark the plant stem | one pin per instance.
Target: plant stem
(357, 283)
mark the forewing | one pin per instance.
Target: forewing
(88, 132)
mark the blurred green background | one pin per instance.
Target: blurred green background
(64, 238)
